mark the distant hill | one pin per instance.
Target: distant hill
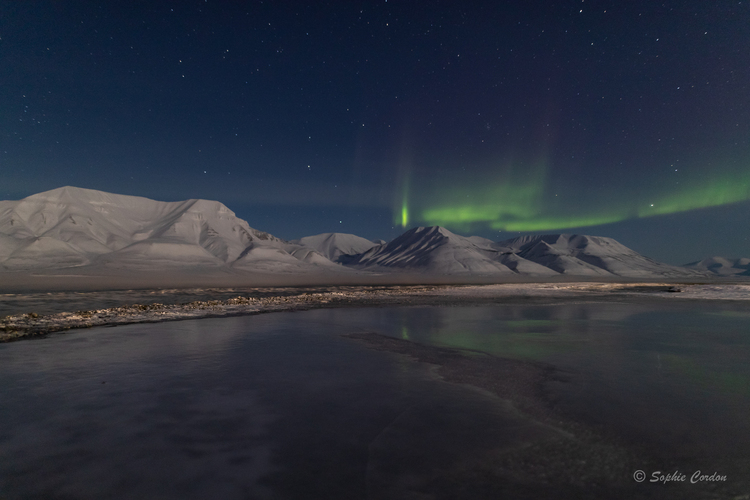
(334, 245)
(590, 255)
(722, 266)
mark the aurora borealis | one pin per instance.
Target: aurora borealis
(525, 205)
(628, 120)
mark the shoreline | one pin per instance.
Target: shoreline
(31, 324)
(87, 280)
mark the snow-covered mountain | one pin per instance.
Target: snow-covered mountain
(589, 256)
(70, 227)
(722, 266)
(81, 228)
(334, 245)
(437, 250)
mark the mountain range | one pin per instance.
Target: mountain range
(76, 228)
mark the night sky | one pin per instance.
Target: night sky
(627, 119)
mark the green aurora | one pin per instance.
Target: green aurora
(524, 200)
(401, 208)
(404, 213)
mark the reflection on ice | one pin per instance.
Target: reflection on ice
(284, 406)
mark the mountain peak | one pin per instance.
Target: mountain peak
(335, 245)
(72, 226)
(425, 231)
(430, 249)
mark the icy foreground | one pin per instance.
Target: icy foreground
(74, 230)
(17, 326)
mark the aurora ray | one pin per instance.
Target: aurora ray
(401, 210)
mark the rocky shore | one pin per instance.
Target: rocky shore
(18, 326)
(28, 324)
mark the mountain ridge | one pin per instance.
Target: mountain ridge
(436, 249)
(73, 227)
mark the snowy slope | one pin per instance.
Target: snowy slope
(437, 250)
(283, 258)
(71, 226)
(722, 266)
(334, 245)
(583, 255)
